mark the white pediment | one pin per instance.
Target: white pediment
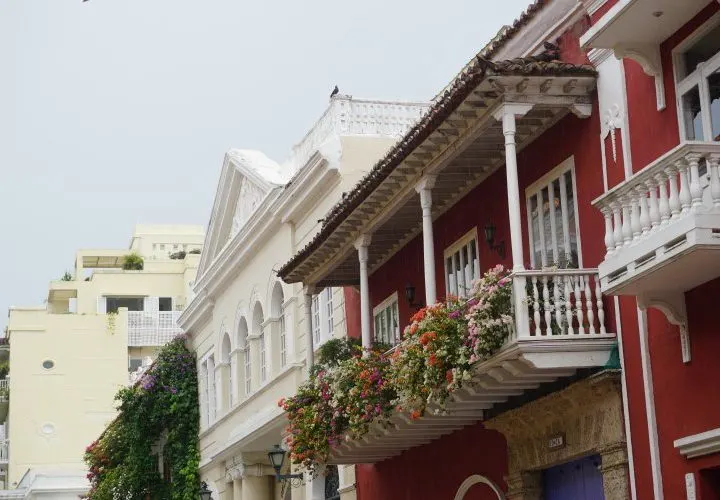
(247, 178)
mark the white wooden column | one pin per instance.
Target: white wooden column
(507, 114)
(424, 188)
(308, 292)
(362, 244)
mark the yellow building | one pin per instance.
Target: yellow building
(254, 335)
(99, 327)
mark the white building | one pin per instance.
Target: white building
(248, 328)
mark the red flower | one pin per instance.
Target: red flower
(427, 337)
(418, 316)
(449, 376)
(415, 415)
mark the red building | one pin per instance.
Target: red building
(589, 167)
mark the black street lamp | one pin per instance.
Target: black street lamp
(205, 493)
(277, 459)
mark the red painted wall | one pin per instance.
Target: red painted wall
(654, 132)
(352, 312)
(437, 470)
(686, 396)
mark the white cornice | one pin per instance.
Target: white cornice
(699, 445)
(311, 179)
(197, 314)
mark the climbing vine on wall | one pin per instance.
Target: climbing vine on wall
(157, 416)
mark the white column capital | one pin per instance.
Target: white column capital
(511, 109)
(363, 241)
(427, 182)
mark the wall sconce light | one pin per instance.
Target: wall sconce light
(205, 493)
(410, 297)
(490, 239)
(277, 458)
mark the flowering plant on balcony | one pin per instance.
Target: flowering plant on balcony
(362, 391)
(346, 393)
(433, 357)
(489, 313)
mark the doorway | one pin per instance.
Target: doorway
(577, 480)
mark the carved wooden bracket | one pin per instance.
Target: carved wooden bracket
(648, 57)
(672, 305)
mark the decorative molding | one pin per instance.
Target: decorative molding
(648, 57)
(478, 479)
(690, 490)
(598, 56)
(699, 445)
(672, 305)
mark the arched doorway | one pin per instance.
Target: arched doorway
(478, 479)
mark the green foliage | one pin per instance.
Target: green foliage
(194, 251)
(178, 255)
(4, 369)
(133, 262)
(163, 404)
(66, 277)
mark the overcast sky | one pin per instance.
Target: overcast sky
(117, 112)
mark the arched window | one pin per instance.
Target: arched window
(478, 480)
(245, 346)
(227, 371)
(277, 310)
(258, 320)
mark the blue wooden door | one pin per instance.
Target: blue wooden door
(578, 480)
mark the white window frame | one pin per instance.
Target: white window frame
(697, 78)
(283, 337)
(329, 320)
(323, 322)
(380, 309)
(247, 365)
(212, 389)
(536, 188)
(453, 288)
(263, 356)
(316, 324)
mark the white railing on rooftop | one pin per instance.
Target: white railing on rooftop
(152, 328)
(555, 302)
(684, 181)
(348, 116)
(4, 447)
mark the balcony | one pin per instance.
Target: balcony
(662, 226)
(152, 328)
(559, 328)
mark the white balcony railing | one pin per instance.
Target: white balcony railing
(348, 116)
(152, 328)
(558, 302)
(559, 328)
(661, 211)
(4, 448)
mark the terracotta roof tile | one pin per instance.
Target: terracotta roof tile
(546, 64)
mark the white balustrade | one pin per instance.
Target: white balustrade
(561, 302)
(663, 192)
(348, 116)
(152, 328)
(4, 451)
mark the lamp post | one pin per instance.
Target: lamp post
(277, 459)
(205, 493)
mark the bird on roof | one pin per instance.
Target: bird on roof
(335, 91)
